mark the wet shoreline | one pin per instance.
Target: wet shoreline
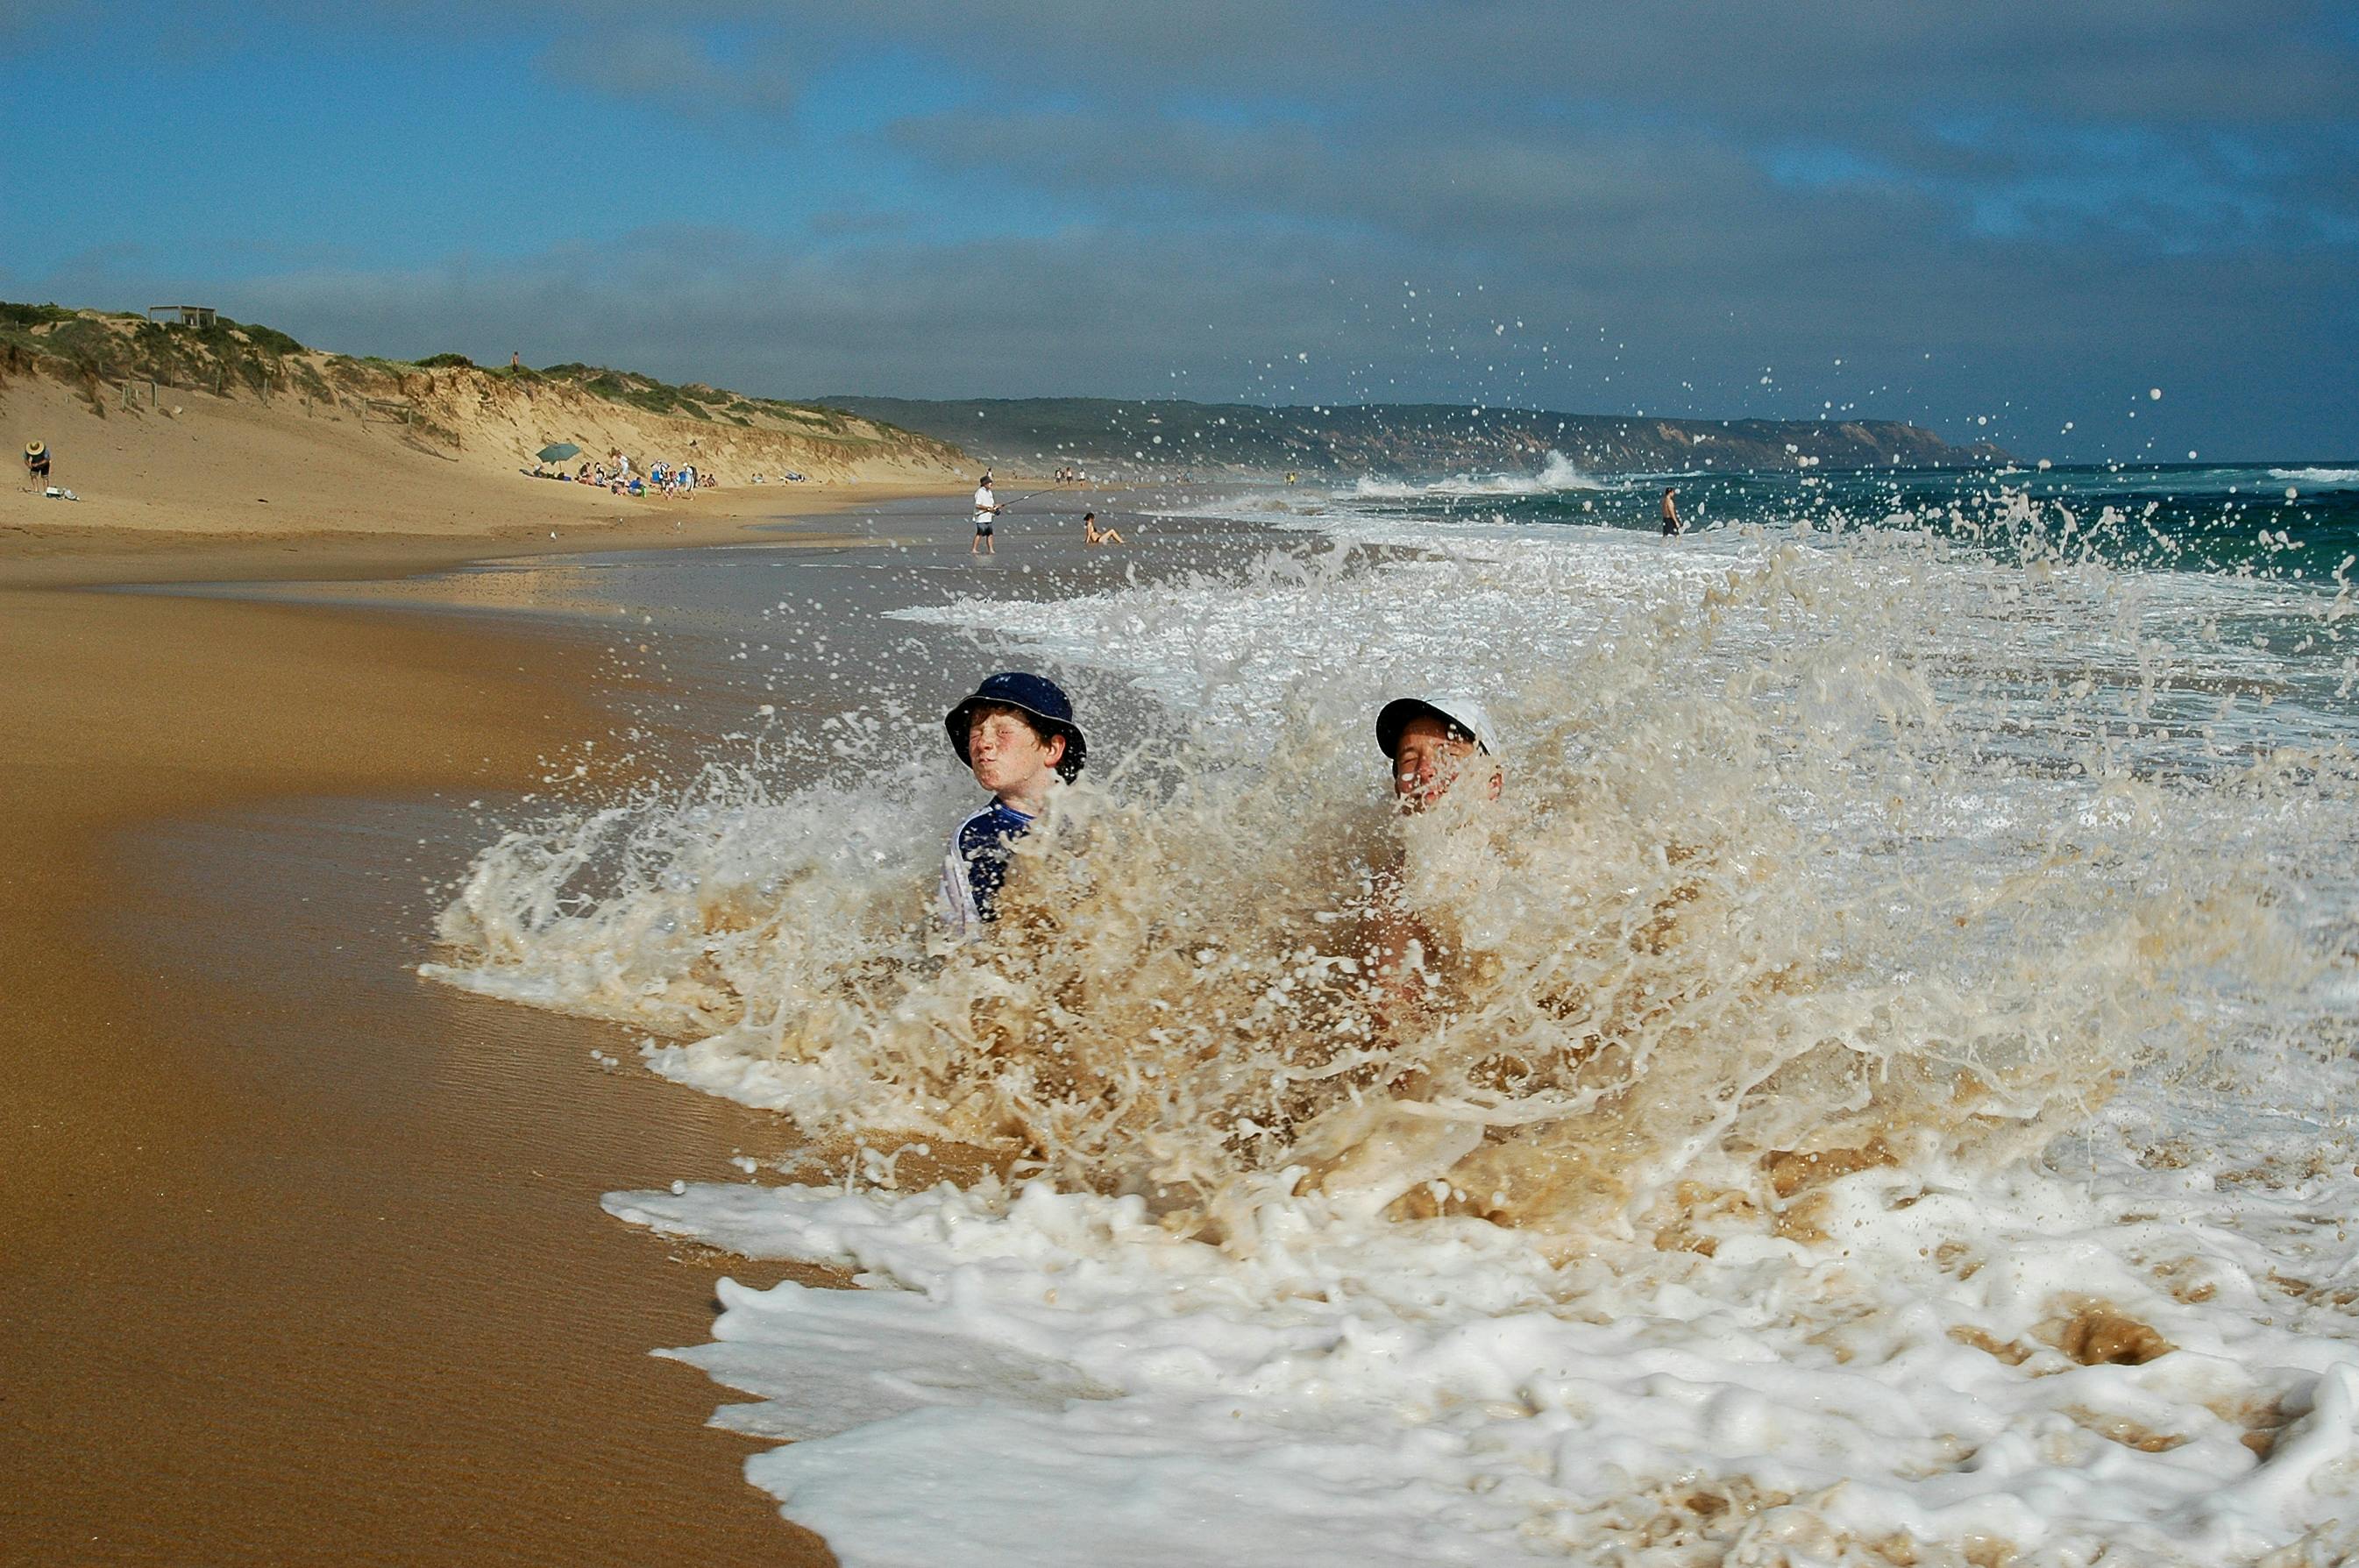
(306, 1255)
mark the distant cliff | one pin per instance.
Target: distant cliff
(1115, 439)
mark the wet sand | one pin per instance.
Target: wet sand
(304, 1257)
(304, 1261)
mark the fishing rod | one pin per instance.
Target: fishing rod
(1007, 506)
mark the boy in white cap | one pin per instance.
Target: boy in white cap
(1430, 742)
(1433, 744)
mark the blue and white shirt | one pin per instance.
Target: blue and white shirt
(975, 866)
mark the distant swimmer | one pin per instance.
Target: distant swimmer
(1016, 733)
(1094, 535)
(986, 513)
(1671, 524)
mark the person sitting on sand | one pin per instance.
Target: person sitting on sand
(1018, 735)
(1671, 523)
(986, 513)
(36, 464)
(1094, 535)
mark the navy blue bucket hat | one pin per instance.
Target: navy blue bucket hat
(1037, 696)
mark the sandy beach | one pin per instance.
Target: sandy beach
(258, 1313)
(300, 1244)
(1676, 884)
(305, 1257)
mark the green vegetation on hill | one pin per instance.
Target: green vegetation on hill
(100, 346)
(98, 350)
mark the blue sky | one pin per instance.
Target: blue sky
(1998, 220)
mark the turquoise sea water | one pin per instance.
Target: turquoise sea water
(2295, 520)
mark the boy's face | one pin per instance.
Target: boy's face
(1428, 759)
(1008, 755)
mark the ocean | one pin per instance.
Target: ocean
(1881, 1092)
(2291, 520)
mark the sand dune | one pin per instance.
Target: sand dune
(314, 459)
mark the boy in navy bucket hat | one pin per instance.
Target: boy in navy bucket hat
(1017, 734)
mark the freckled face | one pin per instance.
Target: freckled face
(1007, 755)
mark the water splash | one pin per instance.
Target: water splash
(1557, 473)
(1810, 858)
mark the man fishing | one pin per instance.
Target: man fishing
(1017, 734)
(986, 512)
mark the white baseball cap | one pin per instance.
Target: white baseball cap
(1464, 714)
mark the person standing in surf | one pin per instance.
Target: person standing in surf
(986, 513)
(1671, 524)
(1017, 734)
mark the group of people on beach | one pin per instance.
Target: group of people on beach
(988, 507)
(616, 474)
(1017, 733)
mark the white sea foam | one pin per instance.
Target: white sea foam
(1557, 473)
(2099, 1362)
(2318, 476)
(1898, 861)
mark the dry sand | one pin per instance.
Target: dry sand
(234, 483)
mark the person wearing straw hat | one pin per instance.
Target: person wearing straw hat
(1017, 734)
(37, 462)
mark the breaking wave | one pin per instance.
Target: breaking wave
(1557, 473)
(1809, 859)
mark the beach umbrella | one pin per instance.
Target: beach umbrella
(559, 452)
